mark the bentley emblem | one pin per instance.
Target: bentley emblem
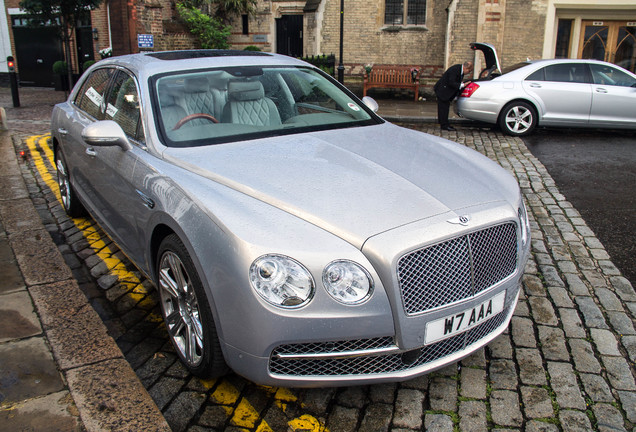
(461, 220)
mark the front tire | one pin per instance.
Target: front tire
(186, 311)
(518, 118)
(71, 204)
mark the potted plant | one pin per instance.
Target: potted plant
(87, 64)
(60, 75)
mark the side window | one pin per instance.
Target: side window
(123, 106)
(567, 72)
(607, 75)
(90, 97)
(538, 75)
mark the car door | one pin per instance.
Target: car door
(613, 97)
(564, 93)
(86, 108)
(111, 168)
(104, 173)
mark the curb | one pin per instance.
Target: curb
(106, 391)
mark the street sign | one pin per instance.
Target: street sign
(145, 41)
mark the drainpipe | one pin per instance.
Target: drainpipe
(452, 7)
(110, 37)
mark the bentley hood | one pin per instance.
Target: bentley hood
(354, 182)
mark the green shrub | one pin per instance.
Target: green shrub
(212, 33)
(60, 67)
(87, 64)
(251, 48)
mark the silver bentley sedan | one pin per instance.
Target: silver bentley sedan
(293, 235)
(561, 92)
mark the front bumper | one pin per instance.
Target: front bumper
(364, 361)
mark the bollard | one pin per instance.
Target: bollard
(13, 80)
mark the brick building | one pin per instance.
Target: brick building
(429, 34)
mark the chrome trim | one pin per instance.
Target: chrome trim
(338, 355)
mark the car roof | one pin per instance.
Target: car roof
(152, 63)
(532, 65)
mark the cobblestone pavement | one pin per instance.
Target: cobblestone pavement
(566, 363)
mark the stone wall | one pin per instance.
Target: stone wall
(524, 31)
(367, 40)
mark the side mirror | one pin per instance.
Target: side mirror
(370, 103)
(105, 133)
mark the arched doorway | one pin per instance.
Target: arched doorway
(611, 41)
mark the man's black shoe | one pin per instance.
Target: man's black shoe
(448, 128)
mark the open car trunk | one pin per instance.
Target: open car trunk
(492, 67)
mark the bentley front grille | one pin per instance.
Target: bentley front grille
(457, 269)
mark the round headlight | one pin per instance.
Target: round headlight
(281, 281)
(347, 282)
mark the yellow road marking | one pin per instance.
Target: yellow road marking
(243, 415)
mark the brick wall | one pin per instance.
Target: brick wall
(523, 32)
(367, 40)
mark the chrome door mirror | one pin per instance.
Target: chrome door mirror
(105, 133)
(371, 103)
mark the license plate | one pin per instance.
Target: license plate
(451, 325)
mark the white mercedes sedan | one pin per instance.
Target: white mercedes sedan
(561, 92)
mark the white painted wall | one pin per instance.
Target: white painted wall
(5, 42)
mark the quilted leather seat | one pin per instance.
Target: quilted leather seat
(199, 98)
(171, 113)
(248, 105)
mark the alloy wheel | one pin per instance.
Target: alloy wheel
(63, 183)
(181, 308)
(519, 119)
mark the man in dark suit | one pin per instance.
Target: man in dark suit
(447, 88)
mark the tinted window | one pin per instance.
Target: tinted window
(608, 75)
(90, 97)
(514, 67)
(538, 75)
(567, 72)
(123, 105)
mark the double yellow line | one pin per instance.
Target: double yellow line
(238, 409)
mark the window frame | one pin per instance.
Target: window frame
(405, 14)
(139, 137)
(79, 95)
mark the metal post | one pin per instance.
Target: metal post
(13, 81)
(340, 65)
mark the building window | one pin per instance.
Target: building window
(564, 37)
(399, 12)
(245, 24)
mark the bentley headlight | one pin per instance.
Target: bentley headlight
(281, 281)
(347, 282)
(524, 222)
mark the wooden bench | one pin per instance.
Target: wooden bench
(391, 76)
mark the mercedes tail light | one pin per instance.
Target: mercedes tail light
(469, 89)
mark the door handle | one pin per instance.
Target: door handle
(91, 152)
(62, 131)
(601, 90)
(535, 85)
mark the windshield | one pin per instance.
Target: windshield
(222, 105)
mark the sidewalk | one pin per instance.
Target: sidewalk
(59, 368)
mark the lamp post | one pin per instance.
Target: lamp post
(340, 65)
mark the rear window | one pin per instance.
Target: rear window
(514, 67)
